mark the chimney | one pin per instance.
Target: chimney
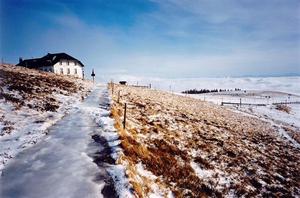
(20, 59)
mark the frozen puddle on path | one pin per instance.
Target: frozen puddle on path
(75, 160)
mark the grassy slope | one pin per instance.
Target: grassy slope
(30, 102)
(35, 85)
(198, 149)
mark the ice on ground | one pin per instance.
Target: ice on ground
(29, 126)
(101, 117)
(30, 102)
(61, 164)
(120, 181)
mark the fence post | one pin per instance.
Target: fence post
(119, 96)
(112, 89)
(240, 102)
(124, 121)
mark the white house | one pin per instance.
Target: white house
(59, 63)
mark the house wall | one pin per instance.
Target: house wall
(68, 69)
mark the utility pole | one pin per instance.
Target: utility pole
(93, 75)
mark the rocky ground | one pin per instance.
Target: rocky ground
(180, 146)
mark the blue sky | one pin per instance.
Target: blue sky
(158, 38)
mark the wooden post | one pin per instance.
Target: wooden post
(119, 96)
(150, 85)
(240, 102)
(112, 89)
(124, 121)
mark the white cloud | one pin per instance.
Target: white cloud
(184, 38)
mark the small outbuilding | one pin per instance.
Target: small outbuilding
(123, 82)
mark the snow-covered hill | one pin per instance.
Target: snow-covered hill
(278, 108)
(30, 102)
(191, 148)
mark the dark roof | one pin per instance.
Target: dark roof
(48, 60)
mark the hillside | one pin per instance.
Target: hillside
(30, 102)
(189, 148)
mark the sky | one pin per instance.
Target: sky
(158, 38)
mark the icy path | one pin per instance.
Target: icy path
(73, 161)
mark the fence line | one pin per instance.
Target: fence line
(257, 104)
(240, 104)
(296, 102)
(140, 86)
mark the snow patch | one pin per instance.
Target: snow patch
(101, 116)
(201, 173)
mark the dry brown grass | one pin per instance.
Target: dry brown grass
(167, 132)
(34, 85)
(34, 90)
(293, 132)
(284, 108)
(7, 125)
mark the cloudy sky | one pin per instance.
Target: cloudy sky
(158, 38)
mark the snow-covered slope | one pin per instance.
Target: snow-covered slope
(30, 102)
(74, 160)
(176, 145)
(283, 116)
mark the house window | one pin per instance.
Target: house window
(61, 71)
(68, 63)
(68, 70)
(75, 71)
(60, 62)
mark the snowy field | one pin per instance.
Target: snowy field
(283, 84)
(268, 100)
(254, 90)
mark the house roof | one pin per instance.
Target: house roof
(48, 60)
